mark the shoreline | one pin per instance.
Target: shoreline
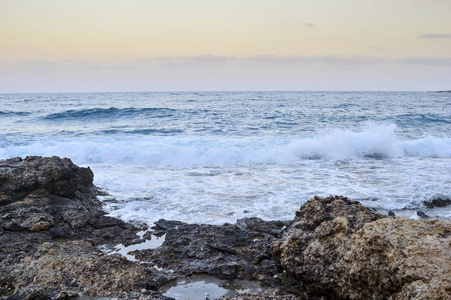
(52, 226)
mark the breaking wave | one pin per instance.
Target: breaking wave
(376, 142)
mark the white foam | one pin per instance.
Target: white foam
(201, 179)
(224, 194)
(374, 141)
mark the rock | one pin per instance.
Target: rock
(266, 295)
(228, 251)
(428, 204)
(43, 202)
(422, 215)
(437, 202)
(76, 268)
(55, 197)
(338, 249)
(19, 177)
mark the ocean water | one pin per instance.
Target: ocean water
(214, 157)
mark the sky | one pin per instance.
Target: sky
(200, 45)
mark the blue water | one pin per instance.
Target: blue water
(217, 156)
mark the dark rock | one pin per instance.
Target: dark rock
(391, 214)
(53, 196)
(60, 177)
(50, 220)
(437, 202)
(228, 251)
(428, 204)
(422, 215)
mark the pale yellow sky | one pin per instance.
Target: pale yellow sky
(54, 36)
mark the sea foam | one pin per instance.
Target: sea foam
(373, 142)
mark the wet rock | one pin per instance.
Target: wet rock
(228, 251)
(422, 215)
(437, 202)
(338, 249)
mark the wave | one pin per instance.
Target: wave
(112, 112)
(160, 131)
(377, 142)
(14, 113)
(424, 119)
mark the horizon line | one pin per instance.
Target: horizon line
(220, 91)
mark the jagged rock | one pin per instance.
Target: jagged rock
(437, 202)
(55, 197)
(75, 268)
(19, 177)
(338, 249)
(45, 200)
(227, 251)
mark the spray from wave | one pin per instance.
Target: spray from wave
(373, 142)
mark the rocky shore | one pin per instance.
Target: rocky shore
(53, 236)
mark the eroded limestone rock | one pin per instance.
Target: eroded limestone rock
(339, 249)
(72, 269)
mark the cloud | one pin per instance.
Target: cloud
(216, 72)
(216, 61)
(74, 61)
(265, 59)
(38, 63)
(201, 59)
(296, 24)
(430, 61)
(434, 36)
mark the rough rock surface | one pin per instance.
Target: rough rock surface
(266, 295)
(238, 251)
(56, 198)
(73, 269)
(43, 203)
(338, 249)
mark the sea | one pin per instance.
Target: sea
(215, 157)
